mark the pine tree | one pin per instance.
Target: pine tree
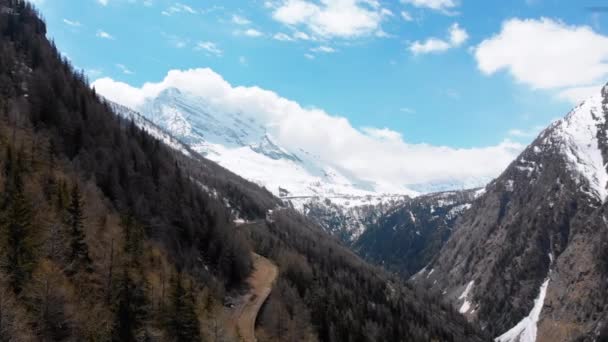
(183, 322)
(19, 242)
(134, 237)
(17, 226)
(131, 309)
(79, 251)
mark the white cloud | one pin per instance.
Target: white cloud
(302, 36)
(332, 18)
(456, 37)
(429, 46)
(252, 33)
(323, 49)
(526, 133)
(178, 8)
(209, 47)
(371, 154)
(283, 37)
(124, 69)
(406, 16)
(72, 23)
(239, 20)
(578, 94)
(444, 6)
(103, 2)
(384, 134)
(243, 61)
(104, 35)
(297, 35)
(309, 56)
(547, 54)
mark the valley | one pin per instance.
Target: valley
(192, 209)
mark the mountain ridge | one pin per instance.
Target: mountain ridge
(531, 246)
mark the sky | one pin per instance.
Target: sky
(453, 87)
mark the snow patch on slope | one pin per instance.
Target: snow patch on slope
(526, 329)
(149, 127)
(577, 135)
(466, 305)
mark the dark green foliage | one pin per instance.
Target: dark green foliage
(131, 309)
(18, 257)
(408, 237)
(182, 322)
(135, 235)
(79, 251)
(348, 299)
(160, 189)
(163, 193)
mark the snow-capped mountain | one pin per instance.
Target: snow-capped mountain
(243, 145)
(528, 260)
(342, 204)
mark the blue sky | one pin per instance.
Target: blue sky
(459, 73)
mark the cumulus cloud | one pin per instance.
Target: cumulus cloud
(547, 54)
(456, 37)
(578, 94)
(332, 18)
(374, 154)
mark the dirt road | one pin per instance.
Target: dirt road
(244, 314)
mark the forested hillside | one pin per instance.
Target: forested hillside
(411, 234)
(108, 234)
(105, 234)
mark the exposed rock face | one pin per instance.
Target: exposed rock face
(543, 221)
(409, 235)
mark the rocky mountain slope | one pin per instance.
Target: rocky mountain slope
(406, 237)
(108, 234)
(528, 260)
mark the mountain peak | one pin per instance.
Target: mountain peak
(170, 92)
(581, 138)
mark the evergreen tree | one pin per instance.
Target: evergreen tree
(130, 312)
(19, 259)
(79, 251)
(134, 237)
(17, 224)
(183, 324)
